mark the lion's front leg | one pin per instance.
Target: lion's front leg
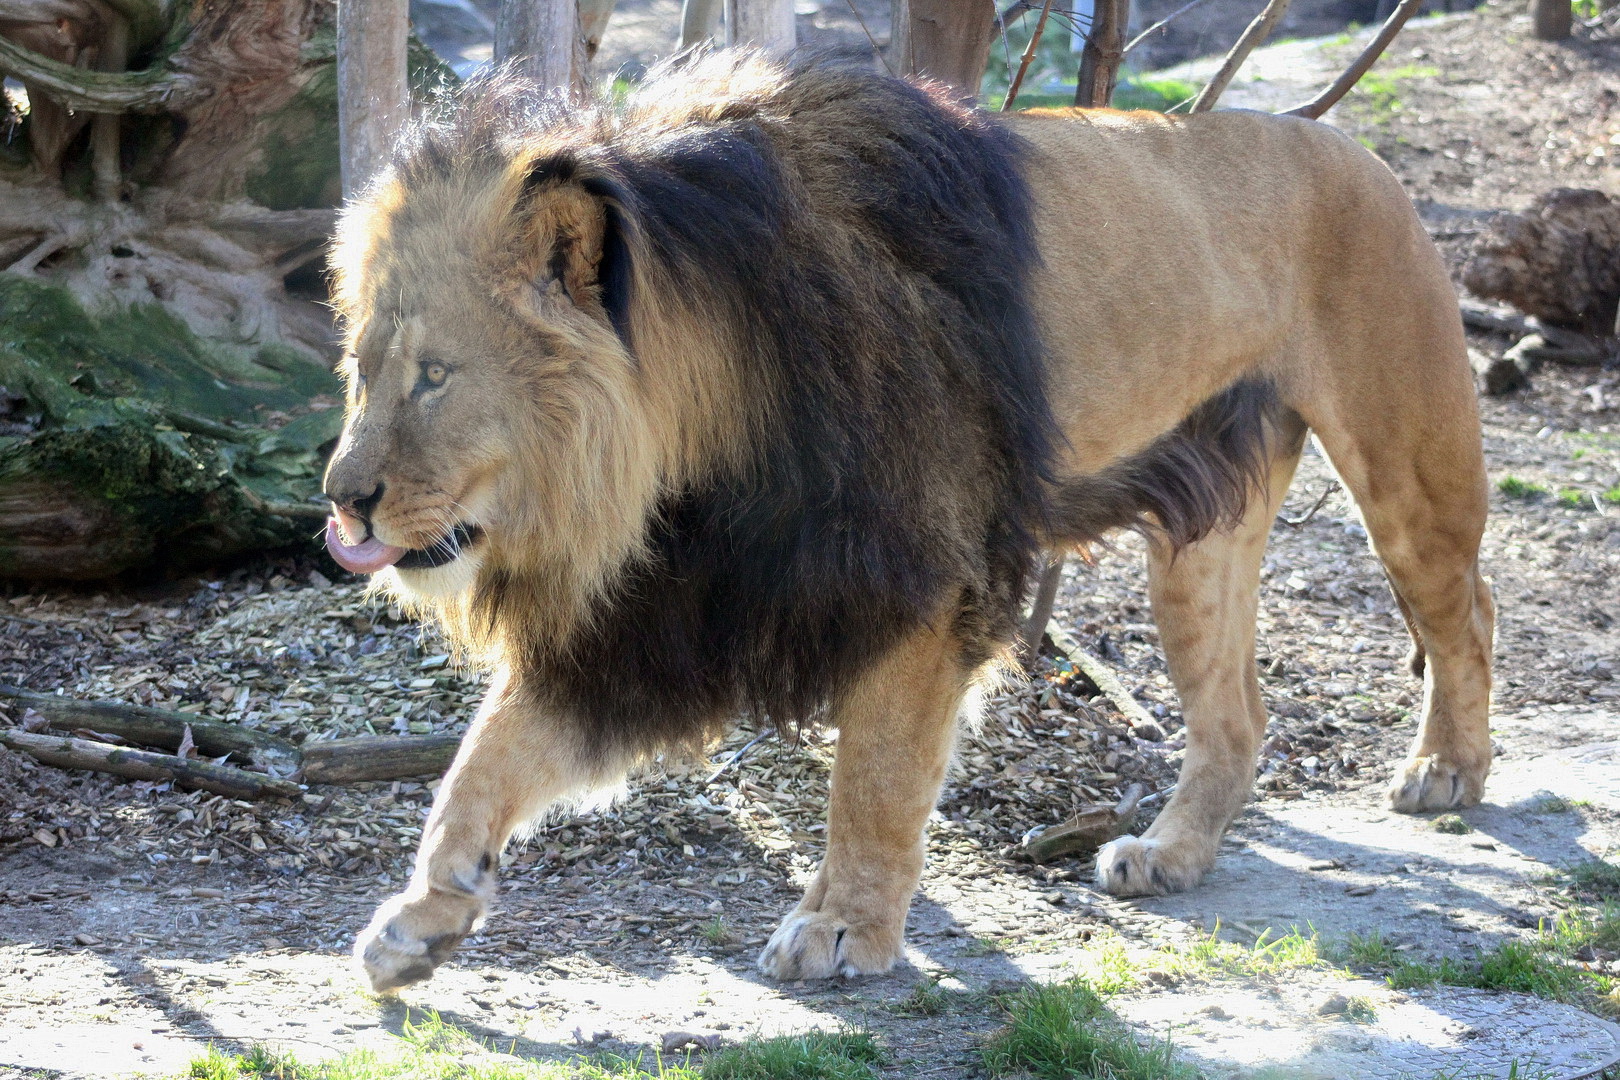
(513, 763)
(896, 729)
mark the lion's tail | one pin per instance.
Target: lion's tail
(1189, 482)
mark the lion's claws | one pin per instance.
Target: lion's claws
(816, 945)
(1433, 783)
(1134, 866)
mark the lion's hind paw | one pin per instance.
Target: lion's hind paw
(1134, 866)
(1433, 783)
(817, 945)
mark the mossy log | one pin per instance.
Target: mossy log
(165, 355)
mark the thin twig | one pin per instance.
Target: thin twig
(1162, 23)
(1256, 32)
(1321, 103)
(853, 10)
(1029, 56)
(734, 758)
(1013, 11)
(1321, 501)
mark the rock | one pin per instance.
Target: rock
(1336, 1005)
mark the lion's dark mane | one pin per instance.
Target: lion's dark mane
(869, 243)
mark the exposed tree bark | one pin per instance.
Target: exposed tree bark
(542, 39)
(1105, 49)
(1552, 20)
(1559, 262)
(373, 95)
(67, 753)
(1255, 33)
(159, 727)
(383, 757)
(948, 40)
(765, 24)
(700, 21)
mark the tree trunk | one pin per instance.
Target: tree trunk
(374, 100)
(1105, 49)
(700, 19)
(948, 40)
(1552, 20)
(766, 24)
(542, 39)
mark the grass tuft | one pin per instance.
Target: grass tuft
(1596, 880)
(434, 1050)
(1065, 1032)
(815, 1055)
(1452, 824)
(1515, 488)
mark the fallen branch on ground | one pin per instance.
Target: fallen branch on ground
(1089, 829)
(378, 757)
(1103, 678)
(65, 752)
(160, 727)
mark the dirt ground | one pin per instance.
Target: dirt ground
(137, 922)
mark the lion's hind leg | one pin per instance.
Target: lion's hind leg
(512, 764)
(1204, 601)
(896, 732)
(1415, 468)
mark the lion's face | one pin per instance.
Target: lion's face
(491, 404)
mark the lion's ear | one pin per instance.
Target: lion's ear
(577, 245)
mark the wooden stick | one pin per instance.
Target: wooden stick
(378, 757)
(1106, 681)
(1256, 32)
(1025, 60)
(70, 753)
(1040, 610)
(1321, 103)
(160, 727)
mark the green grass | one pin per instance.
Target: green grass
(1612, 496)
(1596, 880)
(1372, 949)
(1452, 824)
(717, 933)
(1380, 91)
(1267, 956)
(1515, 488)
(434, 1050)
(1574, 498)
(815, 1055)
(927, 998)
(1065, 1032)
(1361, 1010)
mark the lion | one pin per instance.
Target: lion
(759, 391)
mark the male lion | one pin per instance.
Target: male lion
(759, 391)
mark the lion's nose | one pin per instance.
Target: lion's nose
(360, 504)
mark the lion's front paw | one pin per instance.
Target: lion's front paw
(1433, 783)
(819, 945)
(1134, 866)
(411, 935)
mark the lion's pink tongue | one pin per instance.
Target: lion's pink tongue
(364, 558)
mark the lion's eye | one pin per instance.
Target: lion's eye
(434, 372)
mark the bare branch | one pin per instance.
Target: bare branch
(1321, 103)
(1256, 32)
(1162, 23)
(1029, 55)
(152, 90)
